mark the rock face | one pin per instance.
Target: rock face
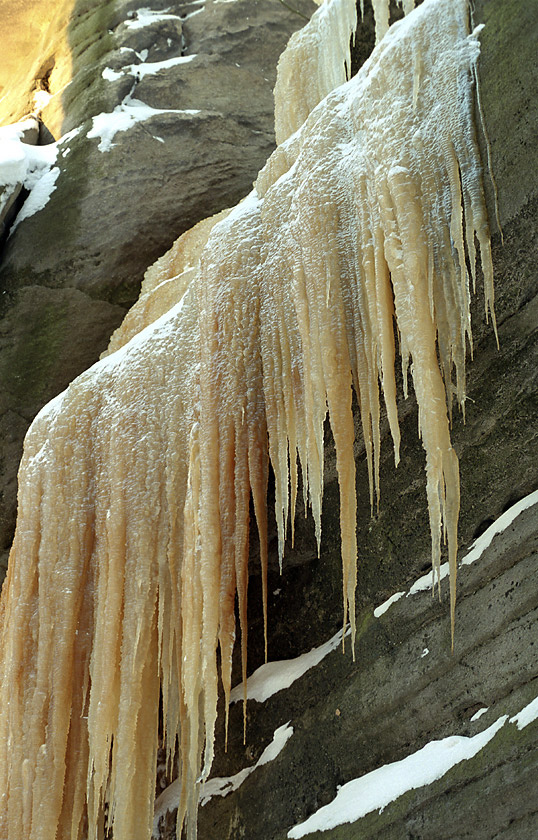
(405, 690)
(69, 272)
(67, 275)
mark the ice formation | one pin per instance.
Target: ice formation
(133, 527)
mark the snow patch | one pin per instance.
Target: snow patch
(13, 151)
(272, 677)
(220, 786)
(388, 603)
(31, 166)
(526, 715)
(377, 789)
(380, 787)
(110, 75)
(196, 12)
(41, 99)
(124, 116)
(44, 186)
(500, 524)
(145, 17)
(424, 583)
(149, 68)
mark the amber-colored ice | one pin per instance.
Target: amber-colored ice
(133, 528)
(309, 69)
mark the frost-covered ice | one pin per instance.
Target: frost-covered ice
(124, 116)
(162, 328)
(424, 583)
(221, 786)
(388, 603)
(31, 166)
(479, 713)
(375, 790)
(272, 677)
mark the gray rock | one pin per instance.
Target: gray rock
(350, 718)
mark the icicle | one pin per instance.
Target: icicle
(133, 527)
(313, 64)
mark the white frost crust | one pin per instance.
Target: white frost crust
(377, 789)
(159, 332)
(272, 677)
(221, 786)
(424, 583)
(307, 70)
